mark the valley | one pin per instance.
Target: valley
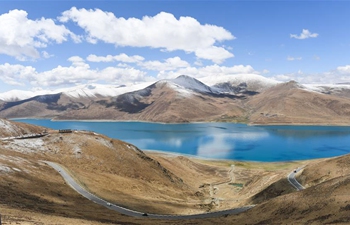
(33, 192)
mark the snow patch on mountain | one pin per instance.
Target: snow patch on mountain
(191, 84)
(253, 81)
(81, 91)
(184, 85)
(17, 95)
(321, 87)
(187, 86)
(183, 92)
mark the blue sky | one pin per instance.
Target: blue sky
(51, 44)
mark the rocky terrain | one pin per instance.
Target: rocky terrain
(252, 99)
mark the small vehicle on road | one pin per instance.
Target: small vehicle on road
(145, 214)
(109, 204)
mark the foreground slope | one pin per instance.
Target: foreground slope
(32, 192)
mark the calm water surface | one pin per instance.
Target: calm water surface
(222, 140)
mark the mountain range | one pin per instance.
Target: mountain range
(250, 99)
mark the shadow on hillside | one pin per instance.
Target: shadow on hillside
(280, 187)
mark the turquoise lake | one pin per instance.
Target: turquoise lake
(222, 140)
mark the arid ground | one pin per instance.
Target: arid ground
(31, 192)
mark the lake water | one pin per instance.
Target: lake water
(222, 140)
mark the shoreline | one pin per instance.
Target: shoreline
(174, 123)
(175, 154)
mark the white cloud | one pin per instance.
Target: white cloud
(79, 72)
(168, 64)
(340, 75)
(213, 53)
(304, 35)
(120, 58)
(265, 71)
(20, 37)
(344, 69)
(14, 74)
(46, 55)
(289, 58)
(162, 31)
(212, 70)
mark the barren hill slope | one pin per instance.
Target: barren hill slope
(287, 103)
(122, 174)
(326, 199)
(112, 169)
(164, 101)
(43, 106)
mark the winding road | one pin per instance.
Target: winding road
(293, 181)
(69, 180)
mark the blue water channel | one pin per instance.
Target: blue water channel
(222, 140)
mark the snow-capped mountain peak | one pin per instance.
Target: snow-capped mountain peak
(191, 83)
(187, 84)
(80, 91)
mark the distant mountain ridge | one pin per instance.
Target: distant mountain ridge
(248, 99)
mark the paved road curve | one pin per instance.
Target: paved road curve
(133, 213)
(293, 181)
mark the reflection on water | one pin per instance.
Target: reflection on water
(214, 146)
(328, 148)
(223, 140)
(307, 131)
(223, 145)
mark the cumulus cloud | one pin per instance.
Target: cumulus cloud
(14, 74)
(79, 72)
(168, 64)
(119, 58)
(339, 75)
(46, 55)
(212, 70)
(21, 37)
(162, 31)
(289, 58)
(265, 71)
(304, 35)
(344, 69)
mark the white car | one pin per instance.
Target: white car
(109, 204)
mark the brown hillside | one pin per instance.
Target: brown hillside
(163, 104)
(324, 170)
(289, 104)
(32, 192)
